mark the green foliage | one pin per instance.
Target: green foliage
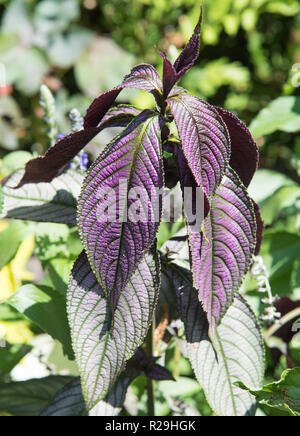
(284, 394)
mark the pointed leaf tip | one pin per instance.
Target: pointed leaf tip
(190, 53)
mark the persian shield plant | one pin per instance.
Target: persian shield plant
(120, 275)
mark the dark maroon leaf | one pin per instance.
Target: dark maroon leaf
(169, 75)
(56, 159)
(190, 53)
(244, 151)
(259, 228)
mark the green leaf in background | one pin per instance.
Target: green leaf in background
(283, 395)
(16, 160)
(30, 397)
(265, 183)
(280, 250)
(282, 114)
(55, 16)
(44, 202)
(284, 203)
(64, 50)
(95, 74)
(10, 356)
(11, 121)
(46, 308)
(10, 241)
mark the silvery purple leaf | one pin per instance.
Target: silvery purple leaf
(204, 137)
(231, 352)
(120, 207)
(142, 76)
(244, 151)
(102, 348)
(221, 254)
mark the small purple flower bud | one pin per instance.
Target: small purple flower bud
(60, 136)
(84, 161)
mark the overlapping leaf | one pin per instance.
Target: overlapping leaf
(244, 151)
(143, 76)
(44, 202)
(100, 345)
(232, 352)
(186, 59)
(46, 168)
(204, 137)
(116, 239)
(221, 254)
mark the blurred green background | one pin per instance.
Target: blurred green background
(82, 48)
(249, 63)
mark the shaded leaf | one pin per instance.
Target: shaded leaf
(28, 398)
(44, 202)
(10, 238)
(116, 239)
(244, 151)
(102, 347)
(204, 137)
(42, 305)
(231, 352)
(281, 114)
(221, 254)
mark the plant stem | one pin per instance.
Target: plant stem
(284, 320)
(150, 382)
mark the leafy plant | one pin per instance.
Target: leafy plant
(115, 285)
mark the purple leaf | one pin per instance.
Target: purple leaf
(244, 151)
(204, 138)
(142, 76)
(221, 356)
(221, 254)
(101, 349)
(190, 53)
(117, 221)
